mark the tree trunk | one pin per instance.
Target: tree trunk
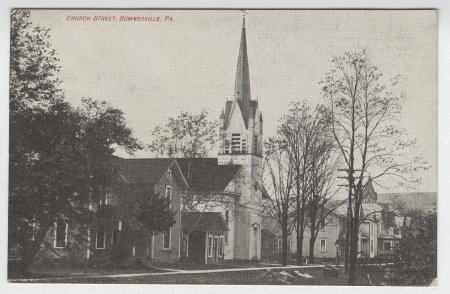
(347, 244)
(312, 233)
(284, 252)
(299, 249)
(353, 249)
(312, 242)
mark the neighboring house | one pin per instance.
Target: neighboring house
(382, 219)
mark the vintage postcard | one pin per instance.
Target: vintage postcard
(242, 147)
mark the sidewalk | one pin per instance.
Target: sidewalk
(172, 272)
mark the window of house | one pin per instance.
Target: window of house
(169, 192)
(100, 238)
(396, 231)
(120, 226)
(280, 245)
(323, 245)
(133, 251)
(210, 246)
(167, 239)
(391, 231)
(387, 245)
(221, 246)
(61, 229)
(169, 175)
(322, 225)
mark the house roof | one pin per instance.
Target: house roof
(204, 222)
(424, 201)
(143, 170)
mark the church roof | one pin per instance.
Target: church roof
(203, 221)
(201, 174)
(246, 115)
(205, 174)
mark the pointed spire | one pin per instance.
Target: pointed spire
(242, 85)
(222, 114)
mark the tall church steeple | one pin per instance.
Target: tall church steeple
(242, 85)
(241, 122)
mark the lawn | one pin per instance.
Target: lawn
(286, 276)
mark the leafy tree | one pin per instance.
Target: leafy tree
(362, 112)
(152, 214)
(59, 161)
(416, 257)
(188, 135)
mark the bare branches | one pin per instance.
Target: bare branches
(362, 114)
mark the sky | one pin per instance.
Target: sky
(152, 70)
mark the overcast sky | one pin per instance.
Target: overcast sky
(153, 70)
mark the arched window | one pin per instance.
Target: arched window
(227, 220)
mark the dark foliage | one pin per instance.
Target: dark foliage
(416, 256)
(152, 213)
(60, 156)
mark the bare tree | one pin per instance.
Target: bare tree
(362, 114)
(297, 131)
(280, 184)
(324, 161)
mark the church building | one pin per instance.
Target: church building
(225, 226)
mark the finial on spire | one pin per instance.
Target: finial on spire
(243, 18)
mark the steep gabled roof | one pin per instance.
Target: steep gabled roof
(143, 170)
(205, 174)
(146, 170)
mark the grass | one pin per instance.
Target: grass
(257, 277)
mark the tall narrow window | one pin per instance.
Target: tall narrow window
(61, 229)
(323, 245)
(100, 238)
(169, 175)
(221, 245)
(227, 220)
(169, 192)
(166, 239)
(210, 246)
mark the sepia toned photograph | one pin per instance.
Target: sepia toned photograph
(226, 147)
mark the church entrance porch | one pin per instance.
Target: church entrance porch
(203, 237)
